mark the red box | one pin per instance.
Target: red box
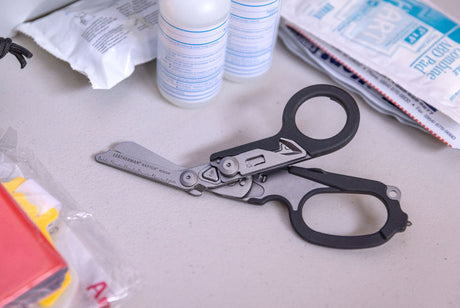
(30, 267)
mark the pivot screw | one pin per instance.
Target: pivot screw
(229, 166)
(188, 178)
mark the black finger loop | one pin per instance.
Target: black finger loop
(289, 130)
(397, 219)
(318, 147)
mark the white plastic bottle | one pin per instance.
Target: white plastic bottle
(191, 50)
(252, 36)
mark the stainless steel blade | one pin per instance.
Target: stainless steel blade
(136, 150)
(153, 169)
(138, 160)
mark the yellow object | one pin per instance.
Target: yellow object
(53, 297)
(42, 222)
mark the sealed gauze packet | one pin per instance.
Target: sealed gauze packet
(101, 39)
(410, 42)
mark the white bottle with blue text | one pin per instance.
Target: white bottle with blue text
(191, 50)
(252, 34)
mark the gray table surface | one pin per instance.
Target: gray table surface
(215, 252)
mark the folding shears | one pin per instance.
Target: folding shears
(265, 170)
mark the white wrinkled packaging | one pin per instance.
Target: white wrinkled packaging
(409, 41)
(378, 91)
(103, 40)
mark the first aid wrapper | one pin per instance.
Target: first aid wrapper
(377, 90)
(102, 39)
(410, 42)
(98, 274)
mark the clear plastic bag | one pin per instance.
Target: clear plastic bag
(99, 277)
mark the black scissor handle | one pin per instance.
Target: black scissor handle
(317, 147)
(289, 129)
(397, 220)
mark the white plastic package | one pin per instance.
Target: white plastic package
(377, 90)
(409, 41)
(98, 275)
(103, 39)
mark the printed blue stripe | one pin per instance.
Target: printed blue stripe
(221, 25)
(206, 43)
(255, 5)
(274, 13)
(196, 80)
(243, 54)
(191, 98)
